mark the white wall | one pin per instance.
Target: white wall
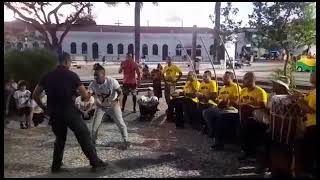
(104, 38)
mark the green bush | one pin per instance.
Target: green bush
(29, 65)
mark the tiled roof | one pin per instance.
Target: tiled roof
(20, 26)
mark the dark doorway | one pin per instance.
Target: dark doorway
(164, 52)
(130, 49)
(95, 51)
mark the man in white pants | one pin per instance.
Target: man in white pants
(107, 91)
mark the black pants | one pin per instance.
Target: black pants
(70, 118)
(222, 124)
(200, 109)
(148, 109)
(253, 133)
(175, 105)
(90, 113)
(190, 113)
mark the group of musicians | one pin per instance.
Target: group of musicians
(243, 111)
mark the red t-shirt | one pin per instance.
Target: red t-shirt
(129, 72)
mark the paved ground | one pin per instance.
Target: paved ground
(158, 150)
(262, 70)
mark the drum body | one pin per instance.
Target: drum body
(286, 119)
(286, 126)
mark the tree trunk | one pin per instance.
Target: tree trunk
(258, 54)
(137, 31)
(217, 28)
(286, 62)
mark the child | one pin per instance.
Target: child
(148, 105)
(85, 107)
(38, 114)
(23, 101)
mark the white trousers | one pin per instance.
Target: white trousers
(115, 113)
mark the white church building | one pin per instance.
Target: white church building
(95, 42)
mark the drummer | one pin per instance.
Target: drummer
(307, 154)
(207, 96)
(253, 97)
(215, 116)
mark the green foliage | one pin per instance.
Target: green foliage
(29, 65)
(278, 73)
(228, 25)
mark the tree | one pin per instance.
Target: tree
(227, 28)
(278, 25)
(33, 14)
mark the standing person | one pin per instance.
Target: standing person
(38, 115)
(61, 85)
(107, 92)
(130, 83)
(23, 102)
(156, 80)
(85, 106)
(10, 87)
(170, 78)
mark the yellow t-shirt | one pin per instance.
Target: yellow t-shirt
(207, 88)
(254, 96)
(311, 100)
(230, 91)
(170, 72)
(189, 86)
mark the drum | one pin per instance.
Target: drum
(286, 119)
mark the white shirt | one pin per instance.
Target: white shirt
(84, 104)
(23, 97)
(148, 99)
(105, 92)
(36, 108)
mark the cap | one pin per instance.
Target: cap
(150, 88)
(282, 83)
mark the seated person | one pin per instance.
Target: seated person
(207, 95)
(189, 102)
(306, 152)
(262, 116)
(252, 97)
(145, 72)
(38, 113)
(148, 105)
(85, 106)
(215, 116)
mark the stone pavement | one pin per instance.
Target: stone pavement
(158, 150)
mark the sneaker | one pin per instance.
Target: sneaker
(126, 145)
(99, 166)
(217, 147)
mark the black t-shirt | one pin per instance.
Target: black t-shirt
(61, 86)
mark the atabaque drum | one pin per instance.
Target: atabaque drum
(286, 119)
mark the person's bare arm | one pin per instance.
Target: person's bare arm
(119, 92)
(121, 68)
(36, 96)
(138, 74)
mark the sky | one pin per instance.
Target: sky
(165, 14)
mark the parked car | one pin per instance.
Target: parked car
(306, 64)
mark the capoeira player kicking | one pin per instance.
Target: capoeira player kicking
(107, 92)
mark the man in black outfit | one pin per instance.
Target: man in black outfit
(61, 85)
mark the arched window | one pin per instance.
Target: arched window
(155, 49)
(35, 45)
(110, 49)
(73, 48)
(198, 50)
(120, 48)
(130, 49)
(211, 49)
(20, 46)
(84, 48)
(165, 51)
(95, 51)
(144, 50)
(178, 50)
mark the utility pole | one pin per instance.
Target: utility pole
(118, 23)
(193, 52)
(216, 30)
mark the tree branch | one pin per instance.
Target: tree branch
(43, 13)
(56, 10)
(68, 22)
